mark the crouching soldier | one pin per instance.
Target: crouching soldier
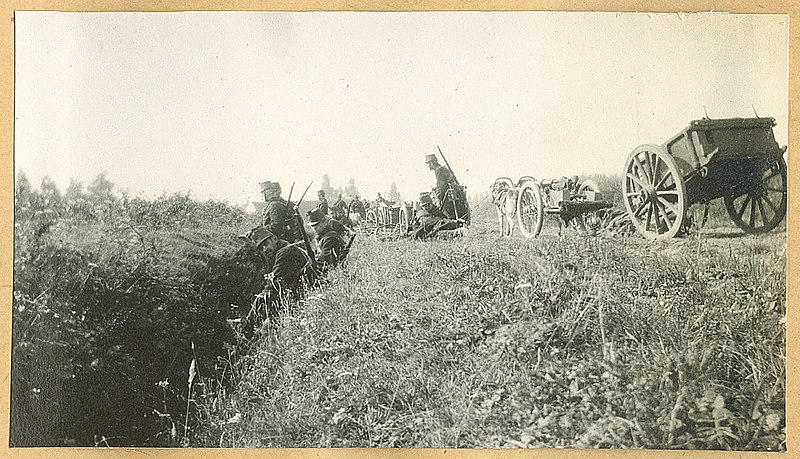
(430, 220)
(331, 247)
(338, 214)
(285, 266)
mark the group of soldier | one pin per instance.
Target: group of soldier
(290, 261)
(285, 248)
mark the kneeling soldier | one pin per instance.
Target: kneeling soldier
(430, 220)
(284, 263)
(330, 244)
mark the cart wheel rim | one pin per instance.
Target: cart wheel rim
(763, 206)
(654, 192)
(530, 210)
(403, 220)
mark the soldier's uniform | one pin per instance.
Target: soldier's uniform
(330, 244)
(340, 203)
(285, 268)
(278, 216)
(449, 193)
(430, 220)
(323, 202)
(357, 206)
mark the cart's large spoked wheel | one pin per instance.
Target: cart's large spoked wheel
(654, 192)
(762, 207)
(372, 219)
(530, 209)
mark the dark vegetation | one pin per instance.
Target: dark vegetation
(114, 298)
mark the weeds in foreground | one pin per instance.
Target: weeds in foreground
(571, 341)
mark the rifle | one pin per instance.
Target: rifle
(301, 224)
(347, 247)
(289, 199)
(448, 165)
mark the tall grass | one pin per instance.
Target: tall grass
(571, 341)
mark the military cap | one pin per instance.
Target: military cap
(316, 216)
(260, 235)
(425, 198)
(431, 159)
(270, 186)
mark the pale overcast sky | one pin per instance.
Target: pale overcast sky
(214, 102)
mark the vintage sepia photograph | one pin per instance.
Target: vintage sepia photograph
(440, 229)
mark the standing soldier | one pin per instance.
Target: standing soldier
(448, 191)
(330, 244)
(278, 213)
(323, 202)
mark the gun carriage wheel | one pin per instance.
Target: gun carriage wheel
(654, 192)
(372, 219)
(404, 219)
(761, 206)
(530, 209)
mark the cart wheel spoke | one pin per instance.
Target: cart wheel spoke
(668, 205)
(639, 209)
(664, 213)
(667, 193)
(637, 181)
(640, 169)
(649, 217)
(649, 167)
(744, 206)
(662, 182)
(770, 204)
(656, 167)
(763, 211)
(753, 212)
(657, 212)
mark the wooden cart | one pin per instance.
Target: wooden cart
(736, 159)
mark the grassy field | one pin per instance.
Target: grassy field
(561, 341)
(126, 332)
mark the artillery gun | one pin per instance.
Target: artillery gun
(527, 201)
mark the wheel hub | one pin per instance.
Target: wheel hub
(648, 193)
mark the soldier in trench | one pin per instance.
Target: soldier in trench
(285, 265)
(277, 217)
